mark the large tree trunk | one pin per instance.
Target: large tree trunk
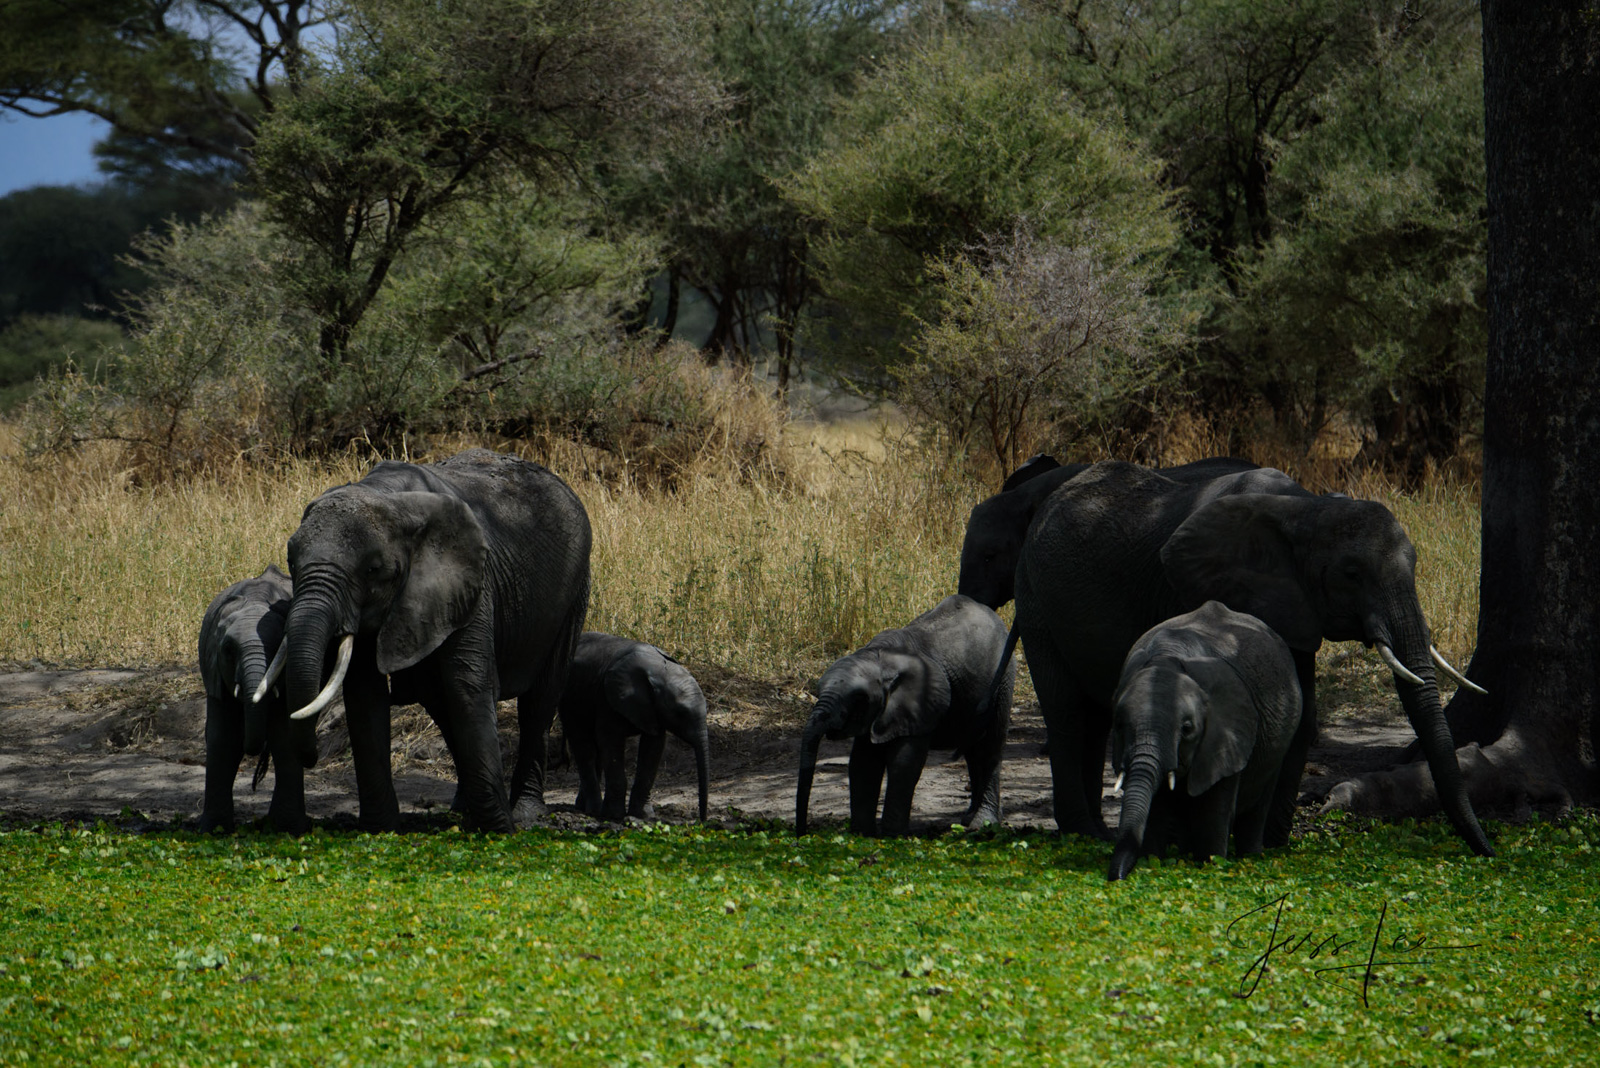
(1538, 649)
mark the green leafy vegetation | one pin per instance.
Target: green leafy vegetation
(694, 946)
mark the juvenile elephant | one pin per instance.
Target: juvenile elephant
(1207, 705)
(454, 585)
(618, 688)
(906, 691)
(1121, 548)
(240, 635)
(997, 526)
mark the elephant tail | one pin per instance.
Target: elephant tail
(1142, 780)
(702, 765)
(983, 717)
(261, 769)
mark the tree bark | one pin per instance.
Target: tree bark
(1538, 650)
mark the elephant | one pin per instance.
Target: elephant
(240, 635)
(618, 688)
(998, 525)
(906, 691)
(452, 585)
(1120, 548)
(1208, 701)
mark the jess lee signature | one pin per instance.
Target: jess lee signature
(1315, 944)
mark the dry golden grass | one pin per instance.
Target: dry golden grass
(860, 534)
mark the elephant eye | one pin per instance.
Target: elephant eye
(1188, 726)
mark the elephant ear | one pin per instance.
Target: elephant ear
(448, 564)
(633, 685)
(1239, 550)
(1230, 724)
(916, 696)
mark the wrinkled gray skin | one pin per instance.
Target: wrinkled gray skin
(905, 692)
(239, 636)
(998, 525)
(465, 583)
(1120, 548)
(618, 688)
(1209, 701)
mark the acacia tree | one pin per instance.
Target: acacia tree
(189, 75)
(1538, 650)
(392, 135)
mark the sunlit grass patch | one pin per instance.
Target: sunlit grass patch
(691, 946)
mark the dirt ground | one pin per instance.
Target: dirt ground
(128, 745)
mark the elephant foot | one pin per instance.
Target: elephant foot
(529, 812)
(1088, 829)
(219, 824)
(643, 812)
(984, 817)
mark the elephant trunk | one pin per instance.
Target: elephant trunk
(810, 742)
(251, 670)
(1141, 780)
(316, 619)
(1421, 701)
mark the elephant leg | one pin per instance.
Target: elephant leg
(651, 747)
(1280, 818)
(983, 766)
(441, 719)
(536, 710)
(906, 759)
(224, 753)
(476, 727)
(614, 751)
(366, 712)
(580, 743)
(867, 762)
(288, 809)
(1076, 759)
(1207, 819)
(1249, 824)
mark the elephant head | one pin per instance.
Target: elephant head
(240, 639)
(883, 694)
(406, 568)
(1321, 568)
(1183, 722)
(653, 696)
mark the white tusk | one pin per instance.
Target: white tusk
(1172, 781)
(274, 671)
(1395, 665)
(236, 691)
(339, 668)
(1444, 666)
(1116, 787)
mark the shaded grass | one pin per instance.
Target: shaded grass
(699, 947)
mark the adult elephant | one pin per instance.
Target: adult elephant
(1121, 548)
(997, 526)
(454, 585)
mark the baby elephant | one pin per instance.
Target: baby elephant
(907, 691)
(618, 688)
(245, 712)
(1206, 707)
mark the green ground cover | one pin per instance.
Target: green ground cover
(689, 946)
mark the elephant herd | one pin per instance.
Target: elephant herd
(1174, 612)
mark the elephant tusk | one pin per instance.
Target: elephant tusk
(1398, 668)
(318, 703)
(274, 671)
(1444, 665)
(1116, 787)
(236, 691)
(1172, 781)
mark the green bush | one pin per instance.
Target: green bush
(34, 346)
